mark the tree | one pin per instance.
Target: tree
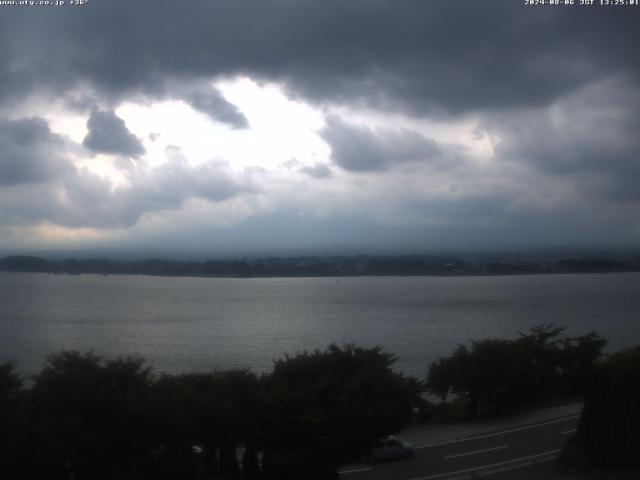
(89, 417)
(10, 401)
(491, 375)
(328, 407)
(495, 375)
(10, 384)
(579, 357)
(608, 428)
(541, 346)
(215, 411)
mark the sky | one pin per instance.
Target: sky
(244, 126)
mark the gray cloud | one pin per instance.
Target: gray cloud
(558, 86)
(592, 136)
(80, 198)
(418, 56)
(317, 170)
(30, 152)
(361, 149)
(213, 104)
(79, 102)
(28, 203)
(92, 202)
(109, 134)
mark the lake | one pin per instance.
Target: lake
(198, 324)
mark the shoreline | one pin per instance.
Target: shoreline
(308, 275)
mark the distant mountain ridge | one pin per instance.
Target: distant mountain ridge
(359, 265)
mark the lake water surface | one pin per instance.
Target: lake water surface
(181, 324)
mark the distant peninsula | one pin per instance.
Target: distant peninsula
(305, 266)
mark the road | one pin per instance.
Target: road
(484, 454)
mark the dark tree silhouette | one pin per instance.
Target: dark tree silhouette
(579, 357)
(90, 416)
(327, 407)
(10, 410)
(214, 411)
(85, 417)
(496, 375)
(250, 463)
(492, 375)
(10, 383)
(610, 421)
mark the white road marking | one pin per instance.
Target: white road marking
(493, 471)
(492, 465)
(477, 451)
(499, 433)
(356, 470)
(567, 432)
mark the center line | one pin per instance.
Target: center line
(484, 467)
(477, 451)
(502, 432)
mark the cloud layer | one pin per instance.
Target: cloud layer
(419, 55)
(520, 124)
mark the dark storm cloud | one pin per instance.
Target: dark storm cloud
(593, 135)
(79, 102)
(214, 105)
(29, 152)
(415, 55)
(361, 149)
(109, 134)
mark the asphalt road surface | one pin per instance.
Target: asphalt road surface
(491, 453)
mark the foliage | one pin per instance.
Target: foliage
(489, 374)
(330, 406)
(608, 428)
(86, 417)
(89, 415)
(10, 383)
(495, 375)
(212, 410)
(10, 392)
(579, 355)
